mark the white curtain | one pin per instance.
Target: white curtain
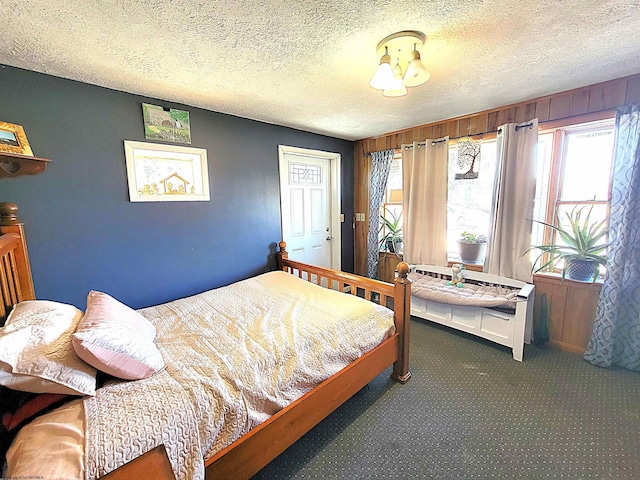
(424, 201)
(513, 196)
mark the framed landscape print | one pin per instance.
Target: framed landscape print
(166, 173)
(166, 124)
(13, 139)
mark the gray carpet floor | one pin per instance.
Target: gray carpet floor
(472, 412)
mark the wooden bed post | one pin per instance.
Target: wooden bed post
(402, 315)
(282, 253)
(9, 224)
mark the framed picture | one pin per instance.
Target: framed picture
(13, 139)
(166, 124)
(166, 173)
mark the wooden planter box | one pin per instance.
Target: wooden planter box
(571, 307)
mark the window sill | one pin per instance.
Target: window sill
(475, 267)
(556, 278)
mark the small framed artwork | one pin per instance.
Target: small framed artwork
(13, 139)
(166, 173)
(166, 124)
(468, 160)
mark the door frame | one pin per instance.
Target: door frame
(334, 195)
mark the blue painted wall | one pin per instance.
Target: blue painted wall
(82, 231)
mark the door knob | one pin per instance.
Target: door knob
(329, 238)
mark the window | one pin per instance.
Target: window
(469, 200)
(391, 207)
(574, 171)
(541, 198)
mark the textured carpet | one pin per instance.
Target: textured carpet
(471, 412)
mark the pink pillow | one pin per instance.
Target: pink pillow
(116, 339)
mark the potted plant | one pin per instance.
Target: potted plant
(471, 247)
(581, 252)
(391, 227)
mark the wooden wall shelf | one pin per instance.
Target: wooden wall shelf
(14, 165)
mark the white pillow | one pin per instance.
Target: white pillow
(36, 354)
(116, 339)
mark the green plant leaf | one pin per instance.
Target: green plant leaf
(391, 225)
(583, 240)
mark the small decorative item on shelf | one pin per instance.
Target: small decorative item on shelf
(391, 231)
(13, 139)
(579, 250)
(471, 247)
(16, 157)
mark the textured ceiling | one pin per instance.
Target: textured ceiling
(307, 64)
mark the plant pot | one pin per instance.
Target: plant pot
(471, 252)
(394, 245)
(581, 270)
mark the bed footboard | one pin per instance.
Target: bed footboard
(396, 296)
(249, 454)
(16, 283)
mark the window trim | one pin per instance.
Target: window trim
(560, 130)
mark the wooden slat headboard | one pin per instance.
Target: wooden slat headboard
(16, 282)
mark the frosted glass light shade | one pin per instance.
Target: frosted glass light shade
(384, 75)
(397, 87)
(416, 73)
(403, 46)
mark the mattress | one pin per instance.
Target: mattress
(439, 290)
(235, 356)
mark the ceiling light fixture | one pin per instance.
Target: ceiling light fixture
(408, 70)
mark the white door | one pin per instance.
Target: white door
(309, 202)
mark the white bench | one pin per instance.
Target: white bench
(510, 327)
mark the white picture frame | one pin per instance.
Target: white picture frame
(166, 173)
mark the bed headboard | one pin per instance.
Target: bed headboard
(16, 282)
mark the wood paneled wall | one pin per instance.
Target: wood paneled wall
(578, 103)
(571, 310)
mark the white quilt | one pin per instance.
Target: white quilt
(235, 356)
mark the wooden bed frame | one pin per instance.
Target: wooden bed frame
(16, 283)
(253, 451)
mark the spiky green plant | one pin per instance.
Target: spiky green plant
(583, 240)
(392, 229)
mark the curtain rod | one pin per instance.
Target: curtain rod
(433, 142)
(499, 130)
(553, 120)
